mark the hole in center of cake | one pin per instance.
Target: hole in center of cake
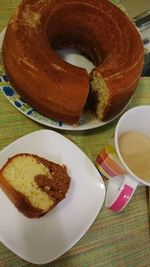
(75, 57)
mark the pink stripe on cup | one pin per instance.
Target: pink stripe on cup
(122, 199)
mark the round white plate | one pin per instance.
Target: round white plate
(87, 120)
(42, 240)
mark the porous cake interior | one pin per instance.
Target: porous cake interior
(21, 172)
(98, 95)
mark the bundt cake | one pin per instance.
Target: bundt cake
(34, 184)
(56, 88)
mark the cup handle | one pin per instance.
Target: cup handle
(119, 191)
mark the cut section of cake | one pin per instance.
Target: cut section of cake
(34, 185)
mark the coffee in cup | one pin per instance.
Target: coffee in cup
(135, 151)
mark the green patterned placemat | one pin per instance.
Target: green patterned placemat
(113, 240)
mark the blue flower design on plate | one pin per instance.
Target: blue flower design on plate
(60, 123)
(17, 104)
(5, 77)
(8, 90)
(30, 112)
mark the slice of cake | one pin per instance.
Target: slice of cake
(34, 184)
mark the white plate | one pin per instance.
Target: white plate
(42, 240)
(87, 119)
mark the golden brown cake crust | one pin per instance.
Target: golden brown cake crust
(54, 87)
(56, 188)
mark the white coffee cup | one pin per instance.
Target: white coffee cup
(122, 181)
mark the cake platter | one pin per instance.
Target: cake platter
(87, 119)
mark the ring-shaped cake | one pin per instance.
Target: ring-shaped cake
(56, 88)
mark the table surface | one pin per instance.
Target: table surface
(134, 8)
(113, 239)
